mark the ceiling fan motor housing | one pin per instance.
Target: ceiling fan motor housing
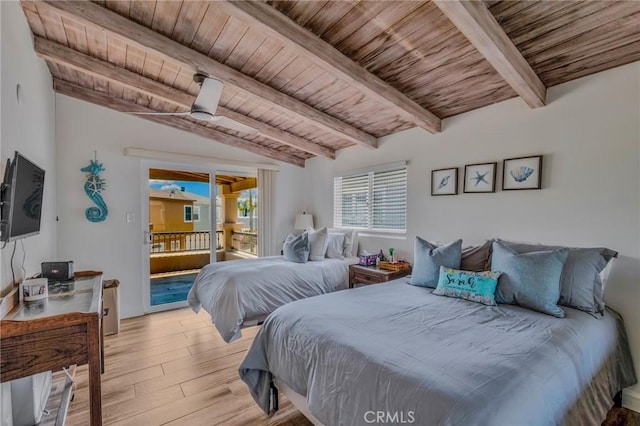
(199, 77)
(201, 115)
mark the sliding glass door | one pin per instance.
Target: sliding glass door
(180, 235)
(192, 217)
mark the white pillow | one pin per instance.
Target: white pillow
(319, 240)
(604, 274)
(350, 241)
(354, 243)
(335, 248)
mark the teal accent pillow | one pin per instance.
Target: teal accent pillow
(297, 248)
(473, 286)
(531, 280)
(428, 258)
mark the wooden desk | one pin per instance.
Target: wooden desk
(54, 333)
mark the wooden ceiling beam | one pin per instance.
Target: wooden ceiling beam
(93, 15)
(278, 135)
(280, 27)
(65, 56)
(248, 183)
(178, 175)
(165, 174)
(98, 98)
(476, 22)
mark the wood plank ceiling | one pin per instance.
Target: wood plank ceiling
(314, 77)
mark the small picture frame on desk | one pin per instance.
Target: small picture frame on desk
(34, 289)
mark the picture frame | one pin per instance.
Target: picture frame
(34, 289)
(480, 178)
(444, 181)
(522, 173)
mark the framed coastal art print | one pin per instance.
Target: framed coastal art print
(444, 181)
(522, 173)
(480, 177)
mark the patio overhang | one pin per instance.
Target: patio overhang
(229, 184)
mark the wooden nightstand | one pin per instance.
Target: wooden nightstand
(359, 274)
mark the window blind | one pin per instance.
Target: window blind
(376, 200)
(390, 200)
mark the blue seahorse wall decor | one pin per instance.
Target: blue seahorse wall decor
(93, 186)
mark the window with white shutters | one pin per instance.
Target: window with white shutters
(374, 200)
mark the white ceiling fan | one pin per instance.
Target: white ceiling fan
(205, 105)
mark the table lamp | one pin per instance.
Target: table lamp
(303, 221)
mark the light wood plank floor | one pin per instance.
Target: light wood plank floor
(173, 368)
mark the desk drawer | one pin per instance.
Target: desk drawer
(47, 350)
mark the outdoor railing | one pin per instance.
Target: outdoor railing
(178, 242)
(245, 241)
(219, 240)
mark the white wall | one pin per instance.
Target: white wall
(28, 127)
(114, 246)
(589, 135)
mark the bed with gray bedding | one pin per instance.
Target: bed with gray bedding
(238, 291)
(397, 348)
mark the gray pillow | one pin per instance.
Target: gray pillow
(350, 241)
(297, 248)
(428, 258)
(476, 258)
(531, 280)
(581, 286)
(335, 246)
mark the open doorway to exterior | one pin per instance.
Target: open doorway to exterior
(185, 233)
(237, 201)
(180, 240)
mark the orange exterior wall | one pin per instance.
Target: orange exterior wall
(167, 215)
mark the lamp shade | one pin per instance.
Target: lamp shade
(303, 221)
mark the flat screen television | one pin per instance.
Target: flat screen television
(22, 191)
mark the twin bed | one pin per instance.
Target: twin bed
(241, 293)
(397, 352)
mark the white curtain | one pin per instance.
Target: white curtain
(266, 211)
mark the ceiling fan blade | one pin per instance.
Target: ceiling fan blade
(209, 96)
(160, 113)
(233, 125)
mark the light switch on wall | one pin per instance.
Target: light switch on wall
(131, 217)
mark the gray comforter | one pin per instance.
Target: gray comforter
(248, 289)
(398, 349)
